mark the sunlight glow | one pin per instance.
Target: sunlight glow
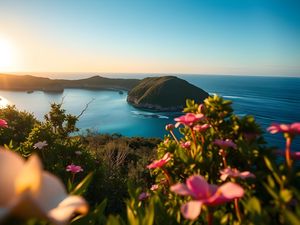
(7, 55)
(3, 102)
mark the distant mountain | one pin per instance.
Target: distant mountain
(164, 93)
(31, 83)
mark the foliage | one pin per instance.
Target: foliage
(210, 140)
(20, 123)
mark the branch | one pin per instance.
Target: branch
(85, 108)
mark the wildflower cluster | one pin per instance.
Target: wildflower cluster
(221, 167)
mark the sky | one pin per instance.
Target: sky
(244, 37)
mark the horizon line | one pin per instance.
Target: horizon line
(148, 73)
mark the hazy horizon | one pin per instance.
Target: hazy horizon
(253, 38)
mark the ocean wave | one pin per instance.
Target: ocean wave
(233, 97)
(149, 115)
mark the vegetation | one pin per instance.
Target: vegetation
(32, 83)
(219, 170)
(159, 93)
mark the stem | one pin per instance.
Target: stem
(167, 175)
(202, 139)
(72, 180)
(209, 218)
(237, 209)
(194, 139)
(173, 135)
(288, 152)
(224, 162)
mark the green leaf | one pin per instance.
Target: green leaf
(271, 191)
(253, 205)
(149, 217)
(82, 186)
(182, 155)
(132, 220)
(291, 218)
(271, 181)
(113, 220)
(268, 164)
(99, 211)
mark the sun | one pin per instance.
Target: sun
(7, 55)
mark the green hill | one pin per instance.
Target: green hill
(33, 83)
(167, 93)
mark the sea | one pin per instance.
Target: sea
(269, 99)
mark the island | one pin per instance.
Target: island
(167, 93)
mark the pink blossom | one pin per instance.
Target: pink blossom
(3, 123)
(292, 129)
(201, 108)
(143, 196)
(188, 119)
(169, 127)
(154, 187)
(40, 145)
(228, 172)
(205, 194)
(294, 155)
(74, 169)
(161, 162)
(224, 144)
(186, 144)
(201, 128)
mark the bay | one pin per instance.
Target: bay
(268, 99)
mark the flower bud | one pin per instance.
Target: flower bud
(169, 127)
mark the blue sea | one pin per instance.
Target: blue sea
(268, 99)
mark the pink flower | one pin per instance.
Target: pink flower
(294, 155)
(188, 119)
(201, 128)
(292, 129)
(186, 144)
(143, 196)
(154, 187)
(161, 162)
(74, 169)
(3, 123)
(228, 172)
(224, 144)
(205, 194)
(201, 108)
(40, 145)
(169, 127)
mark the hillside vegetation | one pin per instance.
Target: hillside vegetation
(33, 83)
(164, 93)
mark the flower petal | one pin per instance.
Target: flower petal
(198, 186)
(191, 210)
(30, 176)
(180, 189)
(231, 190)
(65, 210)
(11, 160)
(51, 193)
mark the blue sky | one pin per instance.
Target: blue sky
(251, 37)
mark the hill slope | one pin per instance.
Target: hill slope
(32, 83)
(164, 93)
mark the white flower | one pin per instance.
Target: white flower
(27, 191)
(40, 145)
(78, 152)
